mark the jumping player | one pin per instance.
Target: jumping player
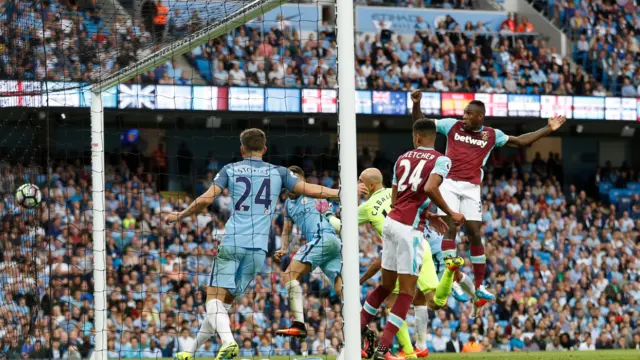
(469, 144)
(322, 250)
(418, 174)
(254, 186)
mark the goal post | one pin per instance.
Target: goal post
(347, 157)
(348, 177)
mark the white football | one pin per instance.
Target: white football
(28, 196)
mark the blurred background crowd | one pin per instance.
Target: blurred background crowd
(562, 257)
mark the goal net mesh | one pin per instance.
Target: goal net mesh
(180, 80)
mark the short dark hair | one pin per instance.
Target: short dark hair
(479, 104)
(424, 126)
(296, 170)
(253, 139)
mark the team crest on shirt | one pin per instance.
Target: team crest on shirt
(304, 200)
(485, 135)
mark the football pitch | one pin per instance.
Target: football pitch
(573, 355)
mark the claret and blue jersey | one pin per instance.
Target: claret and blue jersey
(469, 150)
(254, 186)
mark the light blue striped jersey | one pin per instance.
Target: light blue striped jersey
(302, 211)
(254, 186)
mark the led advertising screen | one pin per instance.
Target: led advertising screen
(524, 105)
(553, 105)
(588, 107)
(430, 103)
(282, 100)
(389, 102)
(319, 101)
(61, 94)
(453, 104)
(495, 104)
(20, 94)
(246, 99)
(173, 97)
(363, 102)
(620, 109)
(210, 98)
(133, 96)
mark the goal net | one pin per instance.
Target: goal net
(122, 112)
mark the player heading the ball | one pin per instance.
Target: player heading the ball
(469, 144)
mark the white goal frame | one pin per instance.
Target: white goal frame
(347, 158)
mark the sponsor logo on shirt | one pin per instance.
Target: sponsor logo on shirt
(470, 140)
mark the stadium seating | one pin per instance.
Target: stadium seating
(605, 39)
(420, 63)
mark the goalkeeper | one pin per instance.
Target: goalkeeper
(432, 292)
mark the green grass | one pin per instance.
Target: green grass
(573, 355)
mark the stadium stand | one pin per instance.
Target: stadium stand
(606, 36)
(453, 57)
(564, 265)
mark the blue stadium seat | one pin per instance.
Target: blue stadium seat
(633, 186)
(605, 187)
(204, 66)
(616, 194)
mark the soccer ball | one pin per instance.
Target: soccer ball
(28, 196)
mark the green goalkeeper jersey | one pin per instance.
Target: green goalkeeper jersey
(376, 209)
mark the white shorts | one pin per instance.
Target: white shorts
(462, 197)
(402, 248)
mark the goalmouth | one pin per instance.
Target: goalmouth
(234, 13)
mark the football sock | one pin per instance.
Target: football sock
(448, 248)
(478, 261)
(422, 320)
(372, 304)
(218, 317)
(396, 318)
(204, 334)
(467, 285)
(444, 288)
(404, 338)
(296, 301)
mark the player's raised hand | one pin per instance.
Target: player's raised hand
(172, 217)
(436, 222)
(458, 218)
(416, 96)
(556, 122)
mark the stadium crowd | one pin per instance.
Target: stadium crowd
(606, 35)
(565, 267)
(77, 41)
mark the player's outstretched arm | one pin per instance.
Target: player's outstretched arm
(374, 267)
(197, 205)
(416, 111)
(527, 139)
(432, 188)
(315, 191)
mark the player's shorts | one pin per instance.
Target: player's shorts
(428, 278)
(402, 248)
(235, 267)
(324, 252)
(462, 197)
